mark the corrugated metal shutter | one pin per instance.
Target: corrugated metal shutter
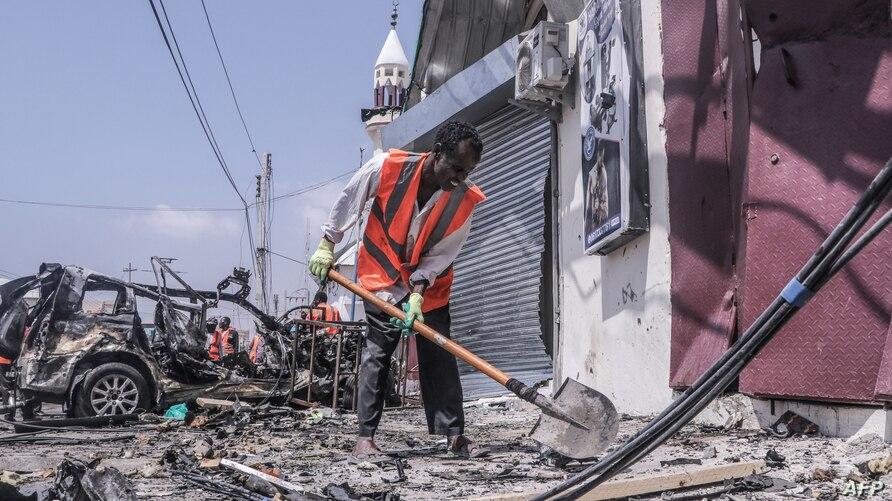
(495, 298)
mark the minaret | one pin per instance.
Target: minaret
(391, 75)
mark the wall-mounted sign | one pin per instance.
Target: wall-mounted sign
(614, 155)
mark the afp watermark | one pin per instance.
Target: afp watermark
(862, 489)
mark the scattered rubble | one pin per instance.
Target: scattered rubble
(252, 452)
(790, 424)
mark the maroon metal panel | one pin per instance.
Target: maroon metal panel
(884, 377)
(779, 21)
(821, 127)
(703, 111)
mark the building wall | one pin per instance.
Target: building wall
(615, 312)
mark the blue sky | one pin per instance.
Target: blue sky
(93, 112)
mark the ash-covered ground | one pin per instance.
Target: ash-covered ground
(312, 449)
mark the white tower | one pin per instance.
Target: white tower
(391, 75)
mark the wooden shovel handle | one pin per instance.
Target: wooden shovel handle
(441, 340)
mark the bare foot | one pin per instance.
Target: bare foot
(366, 447)
(463, 446)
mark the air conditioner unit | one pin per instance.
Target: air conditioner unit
(541, 63)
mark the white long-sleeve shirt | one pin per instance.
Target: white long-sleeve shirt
(353, 205)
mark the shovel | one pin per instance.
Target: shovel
(578, 423)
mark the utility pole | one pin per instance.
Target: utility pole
(129, 271)
(262, 202)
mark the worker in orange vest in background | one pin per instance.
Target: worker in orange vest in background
(419, 219)
(5, 385)
(256, 351)
(224, 340)
(324, 312)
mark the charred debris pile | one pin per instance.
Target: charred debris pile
(105, 357)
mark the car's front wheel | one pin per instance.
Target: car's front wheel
(112, 389)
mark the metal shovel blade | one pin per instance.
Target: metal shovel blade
(586, 406)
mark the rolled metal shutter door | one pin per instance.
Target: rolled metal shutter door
(498, 274)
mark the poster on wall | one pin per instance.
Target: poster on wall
(611, 190)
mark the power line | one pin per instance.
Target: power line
(133, 208)
(285, 257)
(193, 96)
(229, 81)
(8, 274)
(312, 187)
(199, 112)
(161, 208)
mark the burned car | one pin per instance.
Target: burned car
(85, 345)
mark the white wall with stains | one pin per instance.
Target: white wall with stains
(615, 314)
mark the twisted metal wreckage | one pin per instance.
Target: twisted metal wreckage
(109, 362)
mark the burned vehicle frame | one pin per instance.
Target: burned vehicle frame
(98, 360)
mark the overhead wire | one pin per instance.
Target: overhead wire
(162, 208)
(8, 274)
(199, 112)
(312, 187)
(133, 208)
(229, 81)
(286, 257)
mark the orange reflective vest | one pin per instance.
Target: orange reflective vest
(328, 314)
(255, 348)
(220, 339)
(382, 255)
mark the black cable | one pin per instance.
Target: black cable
(202, 118)
(285, 257)
(75, 428)
(817, 270)
(192, 99)
(863, 241)
(210, 130)
(809, 276)
(229, 81)
(136, 208)
(312, 187)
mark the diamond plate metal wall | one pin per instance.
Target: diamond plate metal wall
(821, 129)
(706, 118)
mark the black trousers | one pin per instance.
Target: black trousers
(438, 374)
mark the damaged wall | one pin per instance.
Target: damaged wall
(615, 310)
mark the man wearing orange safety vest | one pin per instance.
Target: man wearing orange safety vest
(256, 351)
(224, 340)
(325, 312)
(419, 219)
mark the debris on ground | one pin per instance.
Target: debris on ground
(774, 458)
(310, 448)
(79, 481)
(790, 424)
(9, 492)
(177, 412)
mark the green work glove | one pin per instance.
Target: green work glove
(322, 259)
(412, 307)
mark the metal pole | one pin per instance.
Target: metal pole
(405, 370)
(263, 236)
(294, 336)
(312, 359)
(359, 342)
(334, 396)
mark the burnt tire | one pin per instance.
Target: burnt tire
(112, 388)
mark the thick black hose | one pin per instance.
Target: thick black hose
(812, 275)
(856, 247)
